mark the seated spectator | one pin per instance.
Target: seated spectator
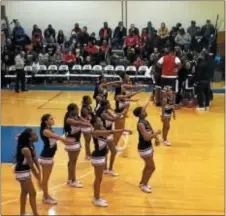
(83, 37)
(105, 33)
(50, 33)
(69, 59)
(207, 32)
(36, 34)
(150, 30)
(103, 50)
(91, 48)
(7, 57)
(134, 29)
(138, 62)
(43, 57)
(10, 46)
(183, 38)
(77, 30)
(143, 42)
(51, 48)
(60, 37)
(93, 38)
(73, 39)
(163, 31)
(30, 56)
(119, 36)
(58, 57)
(89, 61)
(21, 40)
(17, 30)
(131, 41)
(131, 55)
(79, 57)
(154, 57)
(37, 47)
(178, 27)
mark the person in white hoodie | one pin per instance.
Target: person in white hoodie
(20, 73)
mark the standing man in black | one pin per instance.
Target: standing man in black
(20, 73)
(202, 80)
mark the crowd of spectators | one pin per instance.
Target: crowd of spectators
(81, 47)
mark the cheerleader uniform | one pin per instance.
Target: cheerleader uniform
(145, 148)
(100, 151)
(101, 92)
(168, 109)
(49, 149)
(107, 124)
(87, 117)
(73, 132)
(120, 105)
(22, 169)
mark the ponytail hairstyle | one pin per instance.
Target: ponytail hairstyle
(71, 107)
(137, 111)
(85, 100)
(43, 125)
(23, 141)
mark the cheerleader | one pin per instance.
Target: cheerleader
(49, 139)
(87, 113)
(26, 162)
(122, 102)
(101, 91)
(100, 139)
(168, 110)
(108, 119)
(146, 134)
(72, 129)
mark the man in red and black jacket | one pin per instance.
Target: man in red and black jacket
(131, 41)
(105, 33)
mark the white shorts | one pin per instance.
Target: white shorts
(146, 152)
(74, 147)
(22, 175)
(98, 161)
(86, 129)
(45, 161)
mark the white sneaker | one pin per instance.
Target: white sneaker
(113, 173)
(103, 200)
(118, 148)
(99, 202)
(146, 189)
(106, 171)
(76, 184)
(200, 109)
(146, 185)
(49, 201)
(167, 143)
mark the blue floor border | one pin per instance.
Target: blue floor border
(88, 88)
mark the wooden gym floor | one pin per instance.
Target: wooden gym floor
(189, 177)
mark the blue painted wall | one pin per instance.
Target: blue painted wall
(9, 142)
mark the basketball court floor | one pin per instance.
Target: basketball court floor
(189, 176)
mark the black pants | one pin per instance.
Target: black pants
(203, 94)
(20, 78)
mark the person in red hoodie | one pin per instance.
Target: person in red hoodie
(69, 59)
(131, 41)
(139, 62)
(91, 49)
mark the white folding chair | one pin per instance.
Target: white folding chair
(76, 69)
(63, 69)
(42, 69)
(131, 70)
(109, 69)
(142, 70)
(52, 69)
(86, 69)
(12, 70)
(28, 70)
(119, 69)
(97, 69)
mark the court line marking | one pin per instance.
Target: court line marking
(51, 189)
(58, 94)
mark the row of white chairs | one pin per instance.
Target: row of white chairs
(79, 69)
